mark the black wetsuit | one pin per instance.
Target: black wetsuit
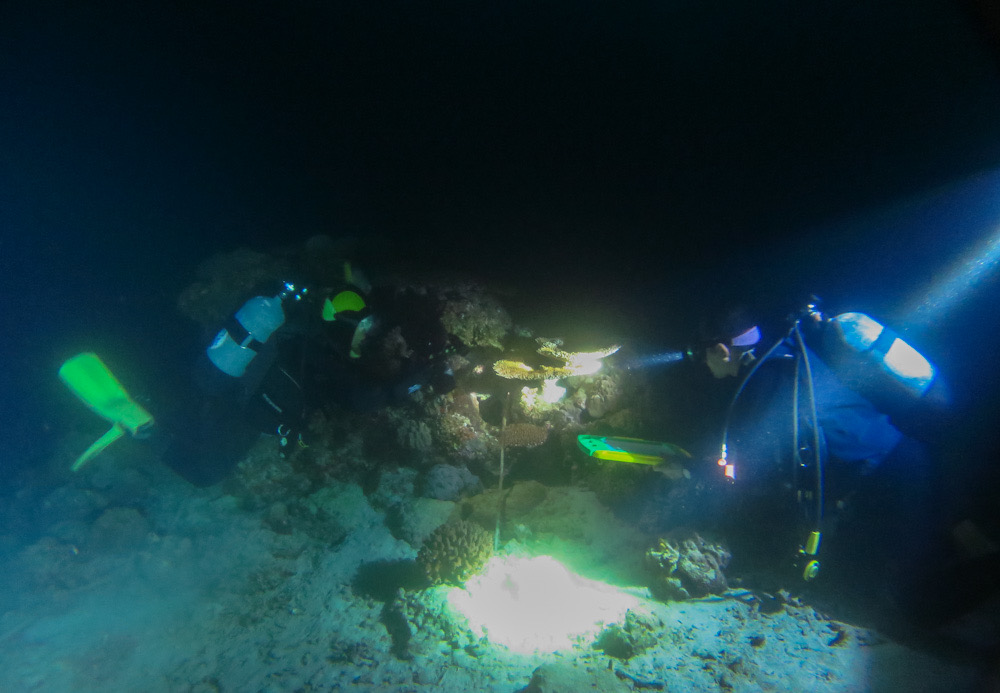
(222, 416)
(307, 363)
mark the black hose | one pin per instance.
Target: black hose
(817, 456)
(739, 391)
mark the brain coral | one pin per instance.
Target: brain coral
(454, 552)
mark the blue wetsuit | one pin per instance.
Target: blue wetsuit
(854, 436)
(879, 518)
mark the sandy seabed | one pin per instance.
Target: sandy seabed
(185, 590)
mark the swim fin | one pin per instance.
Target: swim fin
(90, 380)
(632, 450)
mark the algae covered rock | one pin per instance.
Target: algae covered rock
(415, 520)
(569, 677)
(628, 639)
(685, 566)
(119, 529)
(454, 552)
(521, 498)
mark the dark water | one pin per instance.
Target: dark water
(618, 167)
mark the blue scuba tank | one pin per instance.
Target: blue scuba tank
(259, 317)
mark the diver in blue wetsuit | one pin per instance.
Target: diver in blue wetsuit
(808, 461)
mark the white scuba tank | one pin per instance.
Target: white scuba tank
(261, 316)
(874, 358)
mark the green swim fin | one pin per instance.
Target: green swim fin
(93, 383)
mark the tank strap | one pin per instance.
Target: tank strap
(883, 342)
(240, 334)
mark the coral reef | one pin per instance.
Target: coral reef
(454, 552)
(475, 317)
(450, 483)
(571, 397)
(573, 363)
(398, 435)
(414, 435)
(460, 428)
(428, 619)
(604, 394)
(517, 370)
(226, 279)
(264, 477)
(51, 565)
(386, 353)
(578, 361)
(685, 566)
(395, 486)
(523, 435)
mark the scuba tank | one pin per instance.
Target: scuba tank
(874, 361)
(234, 347)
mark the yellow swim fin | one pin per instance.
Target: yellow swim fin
(632, 450)
(344, 301)
(90, 380)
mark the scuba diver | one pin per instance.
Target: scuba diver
(808, 460)
(280, 357)
(246, 383)
(284, 352)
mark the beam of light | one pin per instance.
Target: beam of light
(956, 283)
(662, 359)
(968, 209)
(536, 605)
(588, 362)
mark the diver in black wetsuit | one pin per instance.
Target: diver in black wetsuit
(279, 356)
(246, 384)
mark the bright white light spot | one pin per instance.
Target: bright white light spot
(530, 396)
(587, 362)
(552, 392)
(536, 604)
(909, 365)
